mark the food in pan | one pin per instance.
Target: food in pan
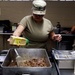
(35, 62)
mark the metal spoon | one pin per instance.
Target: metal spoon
(19, 59)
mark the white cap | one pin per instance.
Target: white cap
(39, 7)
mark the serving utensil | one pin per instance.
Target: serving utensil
(19, 59)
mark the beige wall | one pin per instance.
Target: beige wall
(64, 12)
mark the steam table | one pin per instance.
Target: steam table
(65, 58)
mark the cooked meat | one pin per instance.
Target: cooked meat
(35, 62)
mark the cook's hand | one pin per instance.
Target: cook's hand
(57, 37)
(8, 39)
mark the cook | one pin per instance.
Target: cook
(36, 28)
(73, 29)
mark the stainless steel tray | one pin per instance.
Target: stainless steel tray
(29, 53)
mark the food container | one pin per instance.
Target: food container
(19, 41)
(26, 53)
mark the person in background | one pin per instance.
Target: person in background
(73, 32)
(36, 28)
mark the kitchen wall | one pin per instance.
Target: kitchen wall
(63, 12)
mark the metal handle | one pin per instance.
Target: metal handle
(16, 52)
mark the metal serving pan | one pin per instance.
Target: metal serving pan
(26, 53)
